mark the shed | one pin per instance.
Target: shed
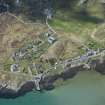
(48, 12)
(14, 67)
(51, 39)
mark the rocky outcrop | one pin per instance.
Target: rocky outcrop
(97, 65)
(100, 66)
(10, 93)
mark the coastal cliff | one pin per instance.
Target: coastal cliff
(48, 82)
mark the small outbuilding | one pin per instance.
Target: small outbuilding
(14, 67)
(48, 12)
(51, 39)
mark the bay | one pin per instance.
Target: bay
(86, 88)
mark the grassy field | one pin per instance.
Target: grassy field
(79, 26)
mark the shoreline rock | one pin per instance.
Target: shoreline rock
(48, 82)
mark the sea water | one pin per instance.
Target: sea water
(86, 88)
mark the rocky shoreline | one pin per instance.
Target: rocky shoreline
(48, 82)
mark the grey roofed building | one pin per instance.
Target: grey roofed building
(48, 13)
(51, 39)
(35, 48)
(14, 67)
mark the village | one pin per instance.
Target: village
(26, 55)
(39, 49)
